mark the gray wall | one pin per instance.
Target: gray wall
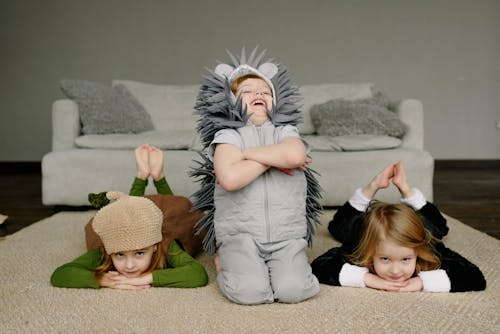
(444, 52)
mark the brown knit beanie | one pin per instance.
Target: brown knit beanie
(128, 223)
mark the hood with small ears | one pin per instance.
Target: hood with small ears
(219, 109)
(265, 71)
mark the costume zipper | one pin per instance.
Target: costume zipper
(266, 198)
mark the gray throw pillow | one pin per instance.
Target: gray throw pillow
(105, 109)
(341, 117)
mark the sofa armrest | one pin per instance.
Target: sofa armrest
(65, 124)
(411, 113)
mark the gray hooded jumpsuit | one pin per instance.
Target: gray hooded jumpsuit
(260, 229)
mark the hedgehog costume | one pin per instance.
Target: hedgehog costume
(260, 230)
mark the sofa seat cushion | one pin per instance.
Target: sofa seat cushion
(350, 143)
(322, 143)
(366, 142)
(165, 140)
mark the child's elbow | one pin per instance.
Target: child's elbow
(57, 279)
(229, 183)
(203, 279)
(54, 280)
(199, 277)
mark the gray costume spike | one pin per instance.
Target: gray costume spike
(219, 109)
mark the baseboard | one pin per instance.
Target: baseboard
(9, 167)
(467, 164)
(14, 167)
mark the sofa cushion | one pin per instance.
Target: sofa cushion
(350, 143)
(104, 109)
(366, 142)
(171, 106)
(165, 140)
(321, 143)
(342, 117)
(317, 94)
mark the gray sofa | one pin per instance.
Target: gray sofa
(79, 164)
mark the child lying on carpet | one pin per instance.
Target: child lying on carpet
(394, 247)
(129, 250)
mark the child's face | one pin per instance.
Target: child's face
(394, 262)
(133, 263)
(258, 98)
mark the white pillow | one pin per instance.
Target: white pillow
(171, 106)
(316, 94)
(165, 140)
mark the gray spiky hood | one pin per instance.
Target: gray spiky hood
(265, 71)
(219, 109)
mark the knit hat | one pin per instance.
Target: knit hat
(128, 223)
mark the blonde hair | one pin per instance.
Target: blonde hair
(237, 82)
(157, 262)
(401, 224)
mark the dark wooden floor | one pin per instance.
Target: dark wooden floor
(468, 190)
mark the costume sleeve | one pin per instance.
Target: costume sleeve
(288, 131)
(346, 226)
(327, 267)
(138, 187)
(183, 271)
(463, 275)
(79, 273)
(225, 136)
(162, 187)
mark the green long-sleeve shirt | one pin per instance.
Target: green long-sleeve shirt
(183, 271)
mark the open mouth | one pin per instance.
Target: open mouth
(258, 102)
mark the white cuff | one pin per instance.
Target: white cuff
(359, 201)
(417, 201)
(351, 275)
(435, 281)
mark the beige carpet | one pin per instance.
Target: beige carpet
(28, 303)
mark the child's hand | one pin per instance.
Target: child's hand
(304, 166)
(400, 180)
(376, 282)
(115, 280)
(414, 284)
(287, 171)
(107, 280)
(121, 286)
